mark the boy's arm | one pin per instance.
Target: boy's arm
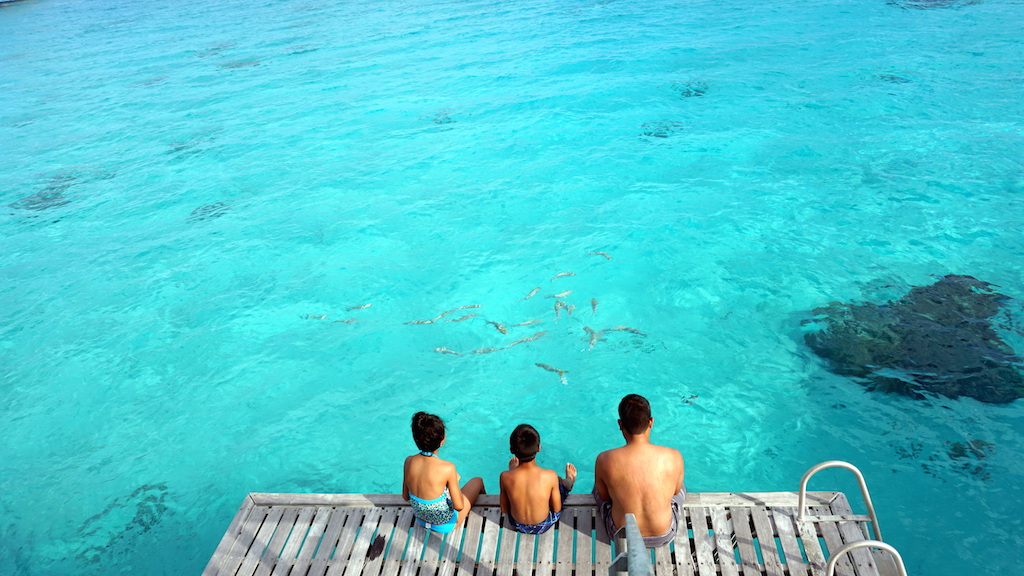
(555, 499)
(503, 494)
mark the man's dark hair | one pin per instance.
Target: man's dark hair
(427, 431)
(635, 413)
(524, 442)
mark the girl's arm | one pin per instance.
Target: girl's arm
(405, 480)
(458, 501)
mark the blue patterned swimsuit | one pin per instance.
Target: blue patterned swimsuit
(438, 514)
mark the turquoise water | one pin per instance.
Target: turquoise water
(187, 185)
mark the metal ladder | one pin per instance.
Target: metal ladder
(877, 543)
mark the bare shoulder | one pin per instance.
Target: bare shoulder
(670, 453)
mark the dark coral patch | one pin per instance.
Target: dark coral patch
(937, 339)
(661, 129)
(690, 89)
(208, 211)
(931, 4)
(52, 196)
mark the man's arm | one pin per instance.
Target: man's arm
(682, 472)
(600, 475)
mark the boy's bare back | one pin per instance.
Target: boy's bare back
(530, 492)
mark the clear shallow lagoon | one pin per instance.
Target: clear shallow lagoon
(184, 183)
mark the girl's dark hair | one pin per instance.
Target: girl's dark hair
(524, 442)
(635, 413)
(427, 431)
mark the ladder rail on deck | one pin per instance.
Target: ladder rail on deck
(830, 568)
(802, 509)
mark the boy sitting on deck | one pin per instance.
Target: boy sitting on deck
(427, 475)
(532, 496)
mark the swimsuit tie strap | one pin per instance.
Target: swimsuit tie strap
(425, 453)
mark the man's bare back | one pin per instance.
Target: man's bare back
(640, 478)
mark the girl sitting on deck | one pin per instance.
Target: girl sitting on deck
(428, 475)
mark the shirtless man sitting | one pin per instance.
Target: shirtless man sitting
(640, 478)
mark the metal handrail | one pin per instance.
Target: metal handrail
(636, 558)
(830, 568)
(863, 491)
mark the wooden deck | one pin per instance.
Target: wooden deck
(723, 534)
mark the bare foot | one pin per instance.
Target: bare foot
(570, 477)
(513, 463)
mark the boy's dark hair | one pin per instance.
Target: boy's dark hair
(427, 431)
(635, 413)
(524, 442)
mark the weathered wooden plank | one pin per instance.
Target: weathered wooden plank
(838, 518)
(227, 542)
(787, 537)
(702, 543)
(682, 552)
(276, 545)
(289, 555)
(525, 550)
(506, 550)
(808, 533)
(834, 541)
(450, 553)
(329, 541)
(431, 553)
(693, 500)
(602, 546)
(362, 544)
(863, 561)
(389, 516)
(489, 543)
(245, 540)
(333, 532)
(663, 560)
(470, 543)
(730, 499)
(566, 531)
(585, 541)
(414, 549)
(745, 539)
(317, 527)
(396, 549)
(545, 544)
(723, 542)
(766, 541)
(347, 539)
(262, 540)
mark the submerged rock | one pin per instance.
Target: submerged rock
(938, 339)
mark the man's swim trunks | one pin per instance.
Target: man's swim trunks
(545, 524)
(605, 510)
(437, 514)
